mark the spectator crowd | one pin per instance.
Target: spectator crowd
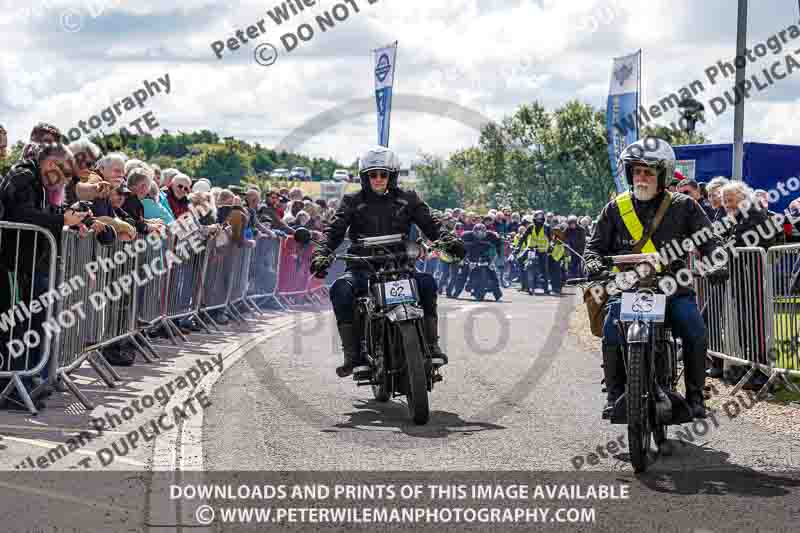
(113, 197)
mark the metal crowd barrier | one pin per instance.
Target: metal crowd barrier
(240, 282)
(293, 273)
(752, 319)
(25, 277)
(783, 302)
(264, 272)
(215, 287)
(184, 285)
(103, 295)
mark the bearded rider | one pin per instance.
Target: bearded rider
(479, 244)
(648, 165)
(380, 208)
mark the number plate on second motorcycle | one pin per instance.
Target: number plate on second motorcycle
(398, 292)
(646, 306)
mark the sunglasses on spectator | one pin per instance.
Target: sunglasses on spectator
(378, 174)
(182, 187)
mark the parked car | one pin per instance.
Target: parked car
(279, 173)
(341, 175)
(301, 173)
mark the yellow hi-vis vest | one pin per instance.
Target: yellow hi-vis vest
(558, 252)
(538, 241)
(632, 224)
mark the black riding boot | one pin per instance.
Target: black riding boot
(349, 348)
(694, 368)
(614, 372)
(431, 327)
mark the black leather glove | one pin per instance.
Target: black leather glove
(320, 265)
(717, 275)
(452, 246)
(594, 267)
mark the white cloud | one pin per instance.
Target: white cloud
(488, 55)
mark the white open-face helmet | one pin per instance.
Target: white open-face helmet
(653, 152)
(379, 158)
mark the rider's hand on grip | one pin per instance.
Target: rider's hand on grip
(320, 265)
(595, 268)
(453, 246)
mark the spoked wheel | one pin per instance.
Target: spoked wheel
(417, 394)
(380, 374)
(636, 405)
(480, 285)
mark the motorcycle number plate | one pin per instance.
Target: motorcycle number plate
(398, 292)
(645, 306)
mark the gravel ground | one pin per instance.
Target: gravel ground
(773, 414)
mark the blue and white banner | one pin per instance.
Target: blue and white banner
(384, 80)
(623, 102)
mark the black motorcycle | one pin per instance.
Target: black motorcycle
(651, 401)
(389, 317)
(529, 270)
(479, 275)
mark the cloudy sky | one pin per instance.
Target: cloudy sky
(66, 60)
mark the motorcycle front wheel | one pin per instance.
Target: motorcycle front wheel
(417, 392)
(636, 402)
(380, 375)
(479, 285)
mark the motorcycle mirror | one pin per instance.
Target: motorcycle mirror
(302, 235)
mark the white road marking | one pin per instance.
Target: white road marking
(52, 444)
(68, 498)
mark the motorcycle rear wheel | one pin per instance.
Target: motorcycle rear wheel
(637, 406)
(417, 395)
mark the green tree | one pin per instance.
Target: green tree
(437, 182)
(224, 167)
(556, 161)
(675, 137)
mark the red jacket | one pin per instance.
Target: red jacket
(178, 207)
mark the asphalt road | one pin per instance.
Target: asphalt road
(519, 394)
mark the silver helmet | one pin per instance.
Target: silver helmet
(479, 230)
(379, 158)
(653, 152)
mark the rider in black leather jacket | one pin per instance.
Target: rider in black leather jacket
(481, 244)
(380, 208)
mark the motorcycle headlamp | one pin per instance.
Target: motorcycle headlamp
(413, 251)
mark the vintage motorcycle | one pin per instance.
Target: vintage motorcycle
(389, 318)
(651, 401)
(474, 277)
(529, 259)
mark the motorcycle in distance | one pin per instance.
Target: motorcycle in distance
(650, 402)
(507, 272)
(389, 319)
(531, 256)
(477, 278)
